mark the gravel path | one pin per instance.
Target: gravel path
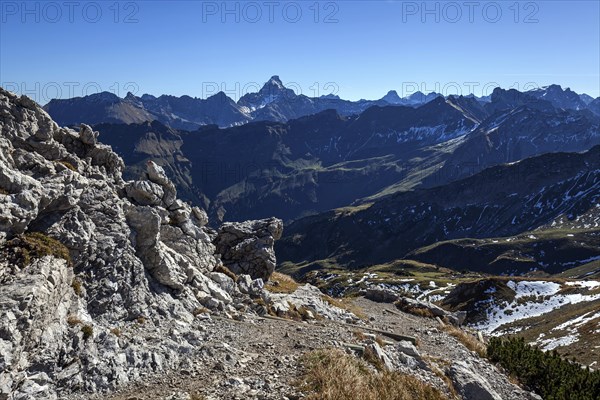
(257, 358)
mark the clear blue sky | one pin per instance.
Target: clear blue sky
(363, 48)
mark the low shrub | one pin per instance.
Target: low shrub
(88, 331)
(546, 373)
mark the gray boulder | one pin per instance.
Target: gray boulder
(247, 247)
(381, 295)
(469, 384)
(87, 135)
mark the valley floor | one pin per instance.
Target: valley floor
(258, 358)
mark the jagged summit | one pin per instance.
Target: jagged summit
(274, 81)
(392, 97)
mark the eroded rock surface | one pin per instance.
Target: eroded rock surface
(140, 257)
(247, 247)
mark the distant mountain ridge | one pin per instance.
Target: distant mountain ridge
(322, 161)
(500, 201)
(273, 102)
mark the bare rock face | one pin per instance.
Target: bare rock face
(247, 247)
(140, 260)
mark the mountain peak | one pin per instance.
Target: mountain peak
(274, 82)
(392, 97)
(103, 97)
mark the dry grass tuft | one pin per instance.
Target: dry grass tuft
(68, 165)
(468, 340)
(226, 271)
(73, 320)
(440, 374)
(418, 311)
(23, 249)
(360, 335)
(371, 357)
(77, 286)
(281, 283)
(116, 331)
(197, 396)
(380, 341)
(345, 303)
(200, 310)
(4, 192)
(301, 314)
(334, 375)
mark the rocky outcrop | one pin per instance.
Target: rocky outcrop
(382, 295)
(247, 247)
(409, 305)
(142, 263)
(309, 298)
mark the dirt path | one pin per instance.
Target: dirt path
(257, 358)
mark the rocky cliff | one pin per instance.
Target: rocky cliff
(86, 256)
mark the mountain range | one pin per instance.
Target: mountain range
(500, 203)
(393, 170)
(327, 160)
(273, 102)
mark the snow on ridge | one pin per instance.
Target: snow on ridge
(533, 288)
(553, 343)
(577, 322)
(546, 300)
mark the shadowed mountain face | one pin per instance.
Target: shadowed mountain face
(500, 201)
(327, 160)
(307, 165)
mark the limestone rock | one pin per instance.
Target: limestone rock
(141, 260)
(380, 354)
(247, 247)
(87, 135)
(469, 384)
(381, 295)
